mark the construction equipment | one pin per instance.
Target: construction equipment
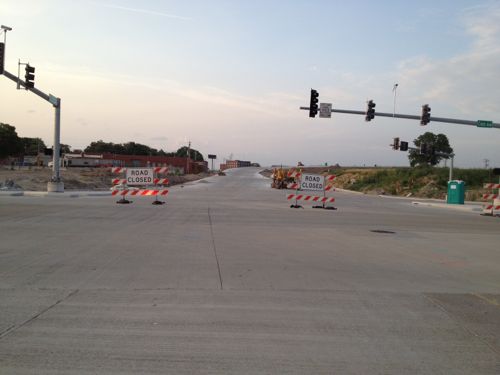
(281, 178)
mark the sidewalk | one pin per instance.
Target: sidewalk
(440, 203)
(475, 207)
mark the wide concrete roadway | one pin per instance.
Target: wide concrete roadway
(227, 278)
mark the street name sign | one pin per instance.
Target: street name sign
(484, 124)
(139, 176)
(325, 110)
(313, 182)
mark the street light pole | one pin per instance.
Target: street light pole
(55, 184)
(394, 89)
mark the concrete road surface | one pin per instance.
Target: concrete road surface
(227, 278)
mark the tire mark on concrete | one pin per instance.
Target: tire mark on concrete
(215, 249)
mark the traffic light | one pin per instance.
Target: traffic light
(424, 149)
(2, 56)
(370, 111)
(313, 105)
(403, 146)
(29, 77)
(425, 118)
(395, 144)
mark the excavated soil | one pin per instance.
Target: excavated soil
(36, 178)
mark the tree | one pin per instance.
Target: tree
(163, 153)
(100, 147)
(32, 146)
(10, 143)
(129, 148)
(193, 154)
(436, 143)
(132, 148)
(65, 149)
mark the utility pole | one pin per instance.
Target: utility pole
(55, 184)
(188, 157)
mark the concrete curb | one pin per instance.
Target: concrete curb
(349, 191)
(67, 194)
(11, 193)
(458, 207)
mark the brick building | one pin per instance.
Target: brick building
(235, 164)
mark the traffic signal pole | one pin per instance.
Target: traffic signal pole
(410, 117)
(55, 184)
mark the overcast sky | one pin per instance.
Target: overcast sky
(231, 75)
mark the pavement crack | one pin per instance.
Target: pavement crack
(15, 327)
(215, 248)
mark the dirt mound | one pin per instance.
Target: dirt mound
(35, 179)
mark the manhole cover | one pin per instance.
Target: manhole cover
(382, 231)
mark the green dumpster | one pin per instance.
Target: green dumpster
(456, 192)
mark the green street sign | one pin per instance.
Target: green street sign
(484, 124)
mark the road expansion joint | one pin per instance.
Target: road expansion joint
(15, 327)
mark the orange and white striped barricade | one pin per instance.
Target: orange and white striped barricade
(328, 182)
(312, 182)
(143, 179)
(308, 198)
(492, 207)
(296, 175)
(293, 173)
(140, 192)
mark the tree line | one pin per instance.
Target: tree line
(11, 145)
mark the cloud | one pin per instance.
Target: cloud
(468, 82)
(146, 11)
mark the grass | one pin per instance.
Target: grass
(421, 181)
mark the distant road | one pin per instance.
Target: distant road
(227, 278)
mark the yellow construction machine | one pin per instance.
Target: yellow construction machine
(281, 178)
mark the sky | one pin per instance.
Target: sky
(230, 76)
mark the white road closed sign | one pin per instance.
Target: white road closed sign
(312, 182)
(139, 176)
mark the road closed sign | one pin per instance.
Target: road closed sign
(312, 182)
(139, 176)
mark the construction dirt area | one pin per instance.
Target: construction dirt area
(386, 181)
(36, 178)
(364, 180)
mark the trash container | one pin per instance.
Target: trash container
(456, 192)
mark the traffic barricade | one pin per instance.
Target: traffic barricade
(140, 182)
(491, 208)
(313, 183)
